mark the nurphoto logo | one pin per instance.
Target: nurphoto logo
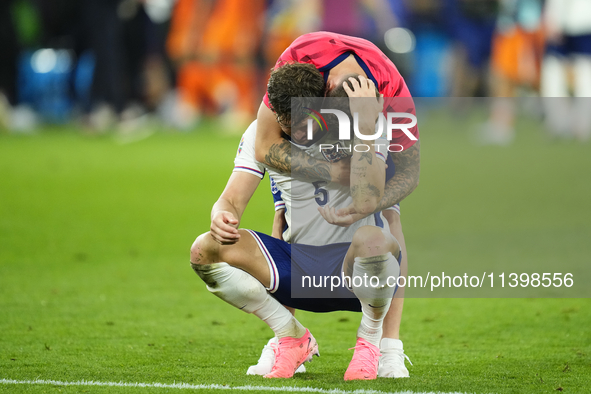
(393, 121)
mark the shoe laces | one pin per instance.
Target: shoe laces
(365, 355)
(392, 353)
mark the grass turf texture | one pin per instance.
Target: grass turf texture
(95, 282)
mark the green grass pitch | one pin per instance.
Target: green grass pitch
(95, 282)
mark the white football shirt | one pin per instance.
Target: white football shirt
(302, 199)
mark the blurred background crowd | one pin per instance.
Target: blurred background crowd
(123, 64)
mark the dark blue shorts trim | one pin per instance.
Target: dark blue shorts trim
(293, 262)
(302, 275)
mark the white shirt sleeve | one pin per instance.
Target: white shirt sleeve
(245, 160)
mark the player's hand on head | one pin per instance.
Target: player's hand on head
(224, 228)
(361, 87)
(367, 110)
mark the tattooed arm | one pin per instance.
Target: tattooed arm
(397, 188)
(367, 171)
(406, 179)
(289, 159)
(367, 180)
(274, 151)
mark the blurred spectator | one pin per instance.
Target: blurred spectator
(9, 52)
(102, 32)
(19, 29)
(213, 44)
(127, 39)
(8, 57)
(568, 27)
(285, 21)
(428, 53)
(518, 46)
(59, 19)
(368, 19)
(220, 52)
(288, 19)
(471, 24)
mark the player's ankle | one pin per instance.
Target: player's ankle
(391, 343)
(293, 329)
(373, 339)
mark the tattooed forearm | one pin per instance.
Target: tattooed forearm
(367, 156)
(367, 181)
(365, 197)
(294, 162)
(406, 179)
(305, 167)
(368, 190)
(359, 171)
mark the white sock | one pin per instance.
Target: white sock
(582, 70)
(391, 343)
(375, 296)
(553, 81)
(581, 113)
(242, 290)
(556, 101)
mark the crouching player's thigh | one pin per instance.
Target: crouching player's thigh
(244, 254)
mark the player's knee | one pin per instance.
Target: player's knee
(371, 241)
(202, 250)
(368, 236)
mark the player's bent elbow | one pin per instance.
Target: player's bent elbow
(366, 206)
(414, 179)
(415, 184)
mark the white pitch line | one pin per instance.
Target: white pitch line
(189, 386)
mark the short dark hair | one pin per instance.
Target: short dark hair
(293, 80)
